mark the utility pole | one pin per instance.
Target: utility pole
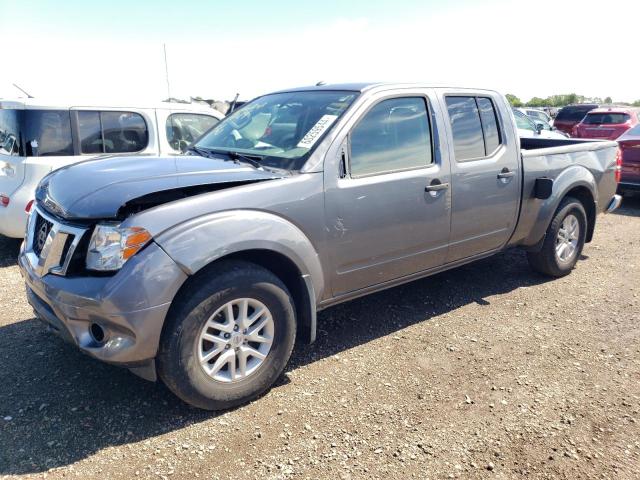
(166, 70)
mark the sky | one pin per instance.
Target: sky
(113, 49)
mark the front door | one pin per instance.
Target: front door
(485, 169)
(388, 209)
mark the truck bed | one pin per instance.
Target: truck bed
(531, 146)
(586, 163)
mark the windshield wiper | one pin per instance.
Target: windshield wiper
(234, 156)
(199, 151)
(240, 157)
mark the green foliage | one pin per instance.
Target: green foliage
(556, 100)
(537, 102)
(636, 103)
(608, 100)
(513, 100)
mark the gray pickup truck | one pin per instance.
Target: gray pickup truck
(203, 270)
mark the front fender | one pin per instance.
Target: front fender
(198, 242)
(570, 178)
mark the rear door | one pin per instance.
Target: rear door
(485, 173)
(388, 207)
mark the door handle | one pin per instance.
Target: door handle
(506, 173)
(436, 187)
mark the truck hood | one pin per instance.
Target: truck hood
(108, 187)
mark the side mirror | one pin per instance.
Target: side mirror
(539, 128)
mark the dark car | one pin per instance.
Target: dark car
(571, 115)
(630, 147)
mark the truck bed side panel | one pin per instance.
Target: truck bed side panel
(571, 164)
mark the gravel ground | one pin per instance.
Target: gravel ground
(487, 371)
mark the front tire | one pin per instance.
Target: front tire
(229, 339)
(563, 242)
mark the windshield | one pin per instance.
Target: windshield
(538, 115)
(523, 122)
(280, 129)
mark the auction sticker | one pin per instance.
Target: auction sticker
(316, 131)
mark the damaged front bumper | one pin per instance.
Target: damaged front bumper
(116, 319)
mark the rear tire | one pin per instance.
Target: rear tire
(563, 244)
(213, 311)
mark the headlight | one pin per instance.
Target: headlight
(6, 169)
(111, 246)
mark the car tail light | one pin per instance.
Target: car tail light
(4, 200)
(29, 206)
(618, 165)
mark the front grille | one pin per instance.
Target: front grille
(50, 244)
(40, 233)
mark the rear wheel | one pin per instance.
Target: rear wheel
(563, 242)
(227, 341)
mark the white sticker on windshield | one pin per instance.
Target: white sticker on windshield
(316, 131)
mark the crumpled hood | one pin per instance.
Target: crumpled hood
(96, 189)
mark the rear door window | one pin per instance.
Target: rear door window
(490, 126)
(466, 127)
(184, 128)
(112, 132)
(47, 133)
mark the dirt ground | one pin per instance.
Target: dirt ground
(486, 371)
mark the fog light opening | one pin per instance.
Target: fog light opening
(97, 333)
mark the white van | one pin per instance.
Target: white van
(37, 137)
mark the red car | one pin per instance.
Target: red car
(571, 115)
(607, 123)
(630, 147)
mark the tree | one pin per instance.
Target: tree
(608, 100)
(636, 103)
(537, 102)
(513, 100)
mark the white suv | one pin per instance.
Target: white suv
(38, 137)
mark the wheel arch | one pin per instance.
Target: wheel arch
(577, 182)
(586, 198)
(261, 238)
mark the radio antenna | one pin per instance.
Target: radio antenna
(22, 90)
(166, 70)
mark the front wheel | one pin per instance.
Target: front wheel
(228, 340)
(563, 242)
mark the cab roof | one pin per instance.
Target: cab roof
(367, 86)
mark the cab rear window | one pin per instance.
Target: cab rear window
(605, 118)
